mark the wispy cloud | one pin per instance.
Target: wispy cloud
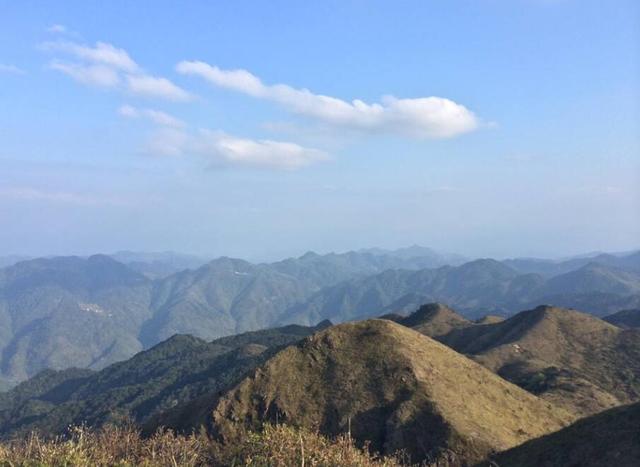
(424, 117)
(152, 86)
(156, 116)
(62, 197)
(57, 29)
(94, 75)
(220, 149)
(102, 53)
(12, 69)
(108, 66)
(257, 153)
(169, 142)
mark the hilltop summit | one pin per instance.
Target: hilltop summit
(435, 319)
(392, 386)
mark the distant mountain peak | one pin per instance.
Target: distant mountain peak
(486, 262)
(572, 321)
(101, 258)
(489, 319)
(226, 262)
(324, 324)
(309, 255)
(434, 319)
(429, 312)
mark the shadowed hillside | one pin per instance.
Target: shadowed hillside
(570, 358)
(610, 438)
(176, 371)
(392, 386)
(625, 318)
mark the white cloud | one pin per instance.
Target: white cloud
(57, 29)
(425, 117)
(128, 111)
(168, 142)
(6, 68)
(62, 31)
(95, 75)
(257, 153)
(108, 66)
(221, 149)
(156, 116)
(102, 53)
(152, 86)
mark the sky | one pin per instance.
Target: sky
(265, 129)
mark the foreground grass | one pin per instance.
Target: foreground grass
(277, 446)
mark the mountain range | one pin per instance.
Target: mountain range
(173, 372)
(64, 312)
(475, 288)
(548, 268)
(434, 384)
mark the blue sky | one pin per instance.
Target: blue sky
(265, 129)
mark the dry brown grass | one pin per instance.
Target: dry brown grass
(394, 387)
(283, 446)
(109, 446)
(278, 446)
(571, 359)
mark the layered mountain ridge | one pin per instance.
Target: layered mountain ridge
(89, 312)
(433, 383)
(570, 358)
